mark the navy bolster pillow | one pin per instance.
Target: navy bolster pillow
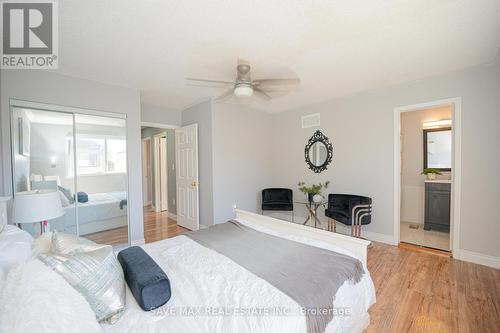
(147, 281)
(82, 197)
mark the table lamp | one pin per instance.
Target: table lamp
(37, 206)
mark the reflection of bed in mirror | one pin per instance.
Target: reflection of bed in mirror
(102, 211)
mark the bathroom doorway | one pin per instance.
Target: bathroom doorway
(426, 162)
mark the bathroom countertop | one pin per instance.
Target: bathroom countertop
(445, 181)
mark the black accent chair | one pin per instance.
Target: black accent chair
(349, 209)
(277, 199)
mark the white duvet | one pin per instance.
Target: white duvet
(211, 293)
(101, 206)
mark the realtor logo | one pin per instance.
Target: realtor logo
(29, 34)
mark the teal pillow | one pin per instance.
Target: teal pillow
(67, 194)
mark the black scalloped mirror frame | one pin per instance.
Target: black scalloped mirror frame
(318, 136)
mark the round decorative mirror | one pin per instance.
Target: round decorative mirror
(318, 152)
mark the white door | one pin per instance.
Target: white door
(186, 153)
(163, 174)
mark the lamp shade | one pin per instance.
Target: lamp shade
(36, 206)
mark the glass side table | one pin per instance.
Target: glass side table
(312, 209)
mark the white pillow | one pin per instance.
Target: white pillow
(56, 178)
(36, 178)
(36, 299)
(15, 247)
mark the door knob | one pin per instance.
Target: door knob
(194, 183)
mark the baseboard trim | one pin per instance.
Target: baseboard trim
(423, 249)
(172, 216)
(377, 237)
(202, 226)
(477, 258)
(138, 242)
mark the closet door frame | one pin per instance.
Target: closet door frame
(17, 103)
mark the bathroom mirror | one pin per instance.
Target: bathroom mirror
(318, 152)
(437, 148)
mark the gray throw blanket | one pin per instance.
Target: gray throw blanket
(309, 275)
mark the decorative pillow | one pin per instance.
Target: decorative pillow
(96, 274)
(35, 299)
(58, 242)
(67, 194)
(64, 200)
(62, 243)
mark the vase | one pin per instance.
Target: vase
(431, 176)
(317, 198)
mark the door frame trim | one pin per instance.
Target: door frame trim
(165, 165)
(150, 190)
(456, 173)
(157, 185)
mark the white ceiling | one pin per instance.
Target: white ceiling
(335, 47)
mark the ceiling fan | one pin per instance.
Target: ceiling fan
(244, 86)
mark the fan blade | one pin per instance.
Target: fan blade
(225, 95)
(212, 81)
(208, 86)
(261, 94)
(283, 82)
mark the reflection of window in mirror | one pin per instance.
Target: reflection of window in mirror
(97, 154)
(437, 148)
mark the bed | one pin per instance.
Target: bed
(102, 211)
(212, 293)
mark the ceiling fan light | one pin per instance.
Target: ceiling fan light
(243, 90)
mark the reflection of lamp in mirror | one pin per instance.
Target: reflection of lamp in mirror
(37, 206)
(53, 161)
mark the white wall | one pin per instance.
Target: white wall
(361, 129)
(202, 115)
(243, 148)
(52, 88)
(412, 161)
(362, 155)
(160, 115)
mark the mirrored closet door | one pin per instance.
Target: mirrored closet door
(82, 157)
(101, 158)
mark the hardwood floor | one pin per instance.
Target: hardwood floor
(416, 291)
(157, 226)
(422, 292)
